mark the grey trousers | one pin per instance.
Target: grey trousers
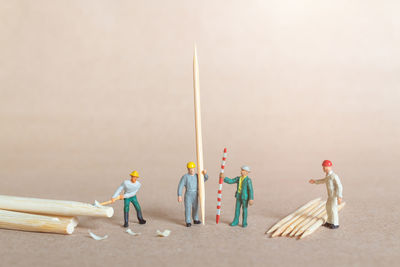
(191, 206)
(332, 211)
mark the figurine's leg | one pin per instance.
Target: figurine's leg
(135, 203)
(331, 210)
(328, 212)
(335, 215)
(195, 210)
(237, 212)
(188, 207)
(245, 205)
(126, 212)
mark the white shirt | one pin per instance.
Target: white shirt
(333, 184)
(130, 189)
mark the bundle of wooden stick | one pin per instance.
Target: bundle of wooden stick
(303, 222)
(45, 215)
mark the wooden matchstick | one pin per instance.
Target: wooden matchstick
(53, 207)
(282, 228)
(36, 223)
(308, 218)
(290, 216)
(318, 223)
(199, 140)
(304, 215)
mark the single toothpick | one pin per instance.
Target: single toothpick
(36, 223)
(53, 207)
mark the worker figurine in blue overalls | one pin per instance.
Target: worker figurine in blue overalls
(190, 182)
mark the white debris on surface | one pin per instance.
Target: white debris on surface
(129, 231)
(97, 204)
(96, 237)
(163, 234)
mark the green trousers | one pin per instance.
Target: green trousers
(241, 203)
(134, 202)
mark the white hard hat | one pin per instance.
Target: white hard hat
(245, 168)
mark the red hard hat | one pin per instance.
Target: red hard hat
(327, 163)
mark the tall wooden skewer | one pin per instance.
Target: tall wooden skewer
(199, 140)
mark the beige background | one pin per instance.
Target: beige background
(90, 90)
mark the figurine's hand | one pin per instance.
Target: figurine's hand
(312, 181)
(121, 197)
(339, 200)
(204, 172)
(251, 202)
(221, 175)
(179, 198)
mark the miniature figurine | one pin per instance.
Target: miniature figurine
(190, 182)
(130, 187)
(244, 194)
(334, 188)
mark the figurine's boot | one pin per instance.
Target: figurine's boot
(140, 217)
(126, 218)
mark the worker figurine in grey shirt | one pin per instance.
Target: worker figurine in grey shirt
(130, 188)
(334, 188)
(189, 181)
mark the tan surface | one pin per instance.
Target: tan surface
(90, 90)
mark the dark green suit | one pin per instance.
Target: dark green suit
(242, 198)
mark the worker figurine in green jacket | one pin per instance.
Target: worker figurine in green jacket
(244, 194)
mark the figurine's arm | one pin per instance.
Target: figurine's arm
(205, 175)
(231, 181)
(251, 192)
(118, 191)
(131, 194)
(321, 181)
(181, 184)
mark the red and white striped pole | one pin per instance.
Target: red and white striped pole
(221, 180)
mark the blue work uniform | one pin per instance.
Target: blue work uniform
(191, 195)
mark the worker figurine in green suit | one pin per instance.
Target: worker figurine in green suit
(244, 194)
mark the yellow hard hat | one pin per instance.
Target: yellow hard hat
(191, 165)
(135, 174)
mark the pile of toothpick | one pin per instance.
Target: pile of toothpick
(302, 222)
